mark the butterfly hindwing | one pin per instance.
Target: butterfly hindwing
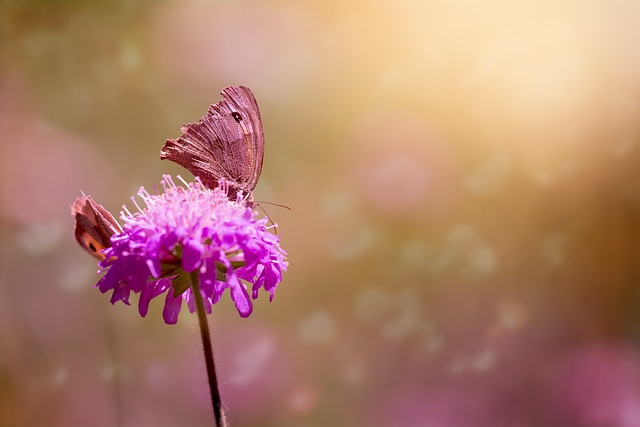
(94, 225)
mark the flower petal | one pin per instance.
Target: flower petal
(192, 252)
(153, 256)
(149, 292)
(240, 296)
(172, 306)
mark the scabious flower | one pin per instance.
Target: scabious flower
(189, 230)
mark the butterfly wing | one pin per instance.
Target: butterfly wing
(227, 142)
(94, 226)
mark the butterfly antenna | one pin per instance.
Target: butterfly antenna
(268, 217)
(259, 205)
(274, 204)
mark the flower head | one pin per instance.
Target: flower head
(188, 230)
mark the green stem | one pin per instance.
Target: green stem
(208, 351)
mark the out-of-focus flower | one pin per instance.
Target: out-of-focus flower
(190, 230)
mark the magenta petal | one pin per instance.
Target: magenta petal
(109, 280)
(149, 292)
(154, 267)
(191, 301)
(153, 260)
(172, 306)
(218, 290)
(192, 255)
(240, 296)
(145, 298)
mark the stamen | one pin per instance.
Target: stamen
(186, 184)
(169, 180)
(138, 206)
(126, 210)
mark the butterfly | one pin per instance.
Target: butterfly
(227, 142)
(94, 226)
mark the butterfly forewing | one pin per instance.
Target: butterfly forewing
(247, 114)
(228, 142)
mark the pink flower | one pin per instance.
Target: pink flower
(189, 229)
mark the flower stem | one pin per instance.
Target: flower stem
(208, 352)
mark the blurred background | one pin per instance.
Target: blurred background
(464, 240)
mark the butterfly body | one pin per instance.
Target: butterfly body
(227, 143)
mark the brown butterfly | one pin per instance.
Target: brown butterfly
(94, 226)
(227, 142)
